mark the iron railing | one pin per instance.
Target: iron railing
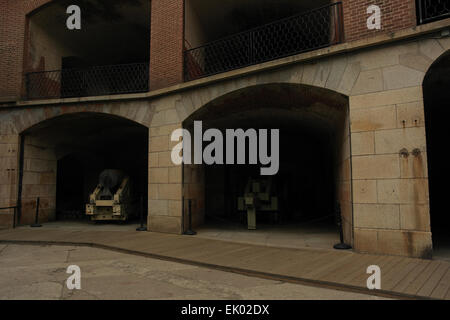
(303, 32)
(84, 82)
(433, 10)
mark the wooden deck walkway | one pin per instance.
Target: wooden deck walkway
(401, 277)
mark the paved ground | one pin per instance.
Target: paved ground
(401, 277)
(285, 236)
(307, 235)
(297, 236)
(39, 272)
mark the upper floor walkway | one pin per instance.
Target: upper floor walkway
(136, 47)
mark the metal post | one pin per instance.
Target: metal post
(251, 54)
(190, 232)
(20, 182)
(14, 217)
(36, 223)
(421, 12)
(342, 245)
(27, 86)
(141, 211)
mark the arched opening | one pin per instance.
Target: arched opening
(65, 156)
(108, 55)
(313, 177)
(437, 112)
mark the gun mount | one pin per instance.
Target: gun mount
(258, 197)
(111, 199)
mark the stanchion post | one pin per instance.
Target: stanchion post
(36, 222)
(342, 245)
(190, 232)
(141, 212)
(14, 217)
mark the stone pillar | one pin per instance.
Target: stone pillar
(165, 188)
(39, 180)
(9, 150)
(390, 175)
(165, 178)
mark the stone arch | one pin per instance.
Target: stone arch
(264, 102)
(336, 74)
(18, 121)
(287, 91)
(440, 57)
(86, 140)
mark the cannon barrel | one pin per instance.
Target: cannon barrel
(109, 181)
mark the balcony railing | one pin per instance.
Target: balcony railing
(84, 82)
(433, 10)
(307, 31)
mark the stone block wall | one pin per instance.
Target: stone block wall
(390, 173)
(39, 180)
(9, 150)
(389, 155)
(165, 179)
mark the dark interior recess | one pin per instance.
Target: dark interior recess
(307, 183)
(110, 54)
(437, 112)
(112, 31)
(234, 16)
(86, 144)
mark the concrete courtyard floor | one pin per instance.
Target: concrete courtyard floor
(404, 278)
(39, 272)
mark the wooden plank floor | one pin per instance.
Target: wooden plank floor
(403, 277)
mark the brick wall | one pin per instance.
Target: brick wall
(395, 15)
(12, 38)
(167, 36)
(166, 59)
